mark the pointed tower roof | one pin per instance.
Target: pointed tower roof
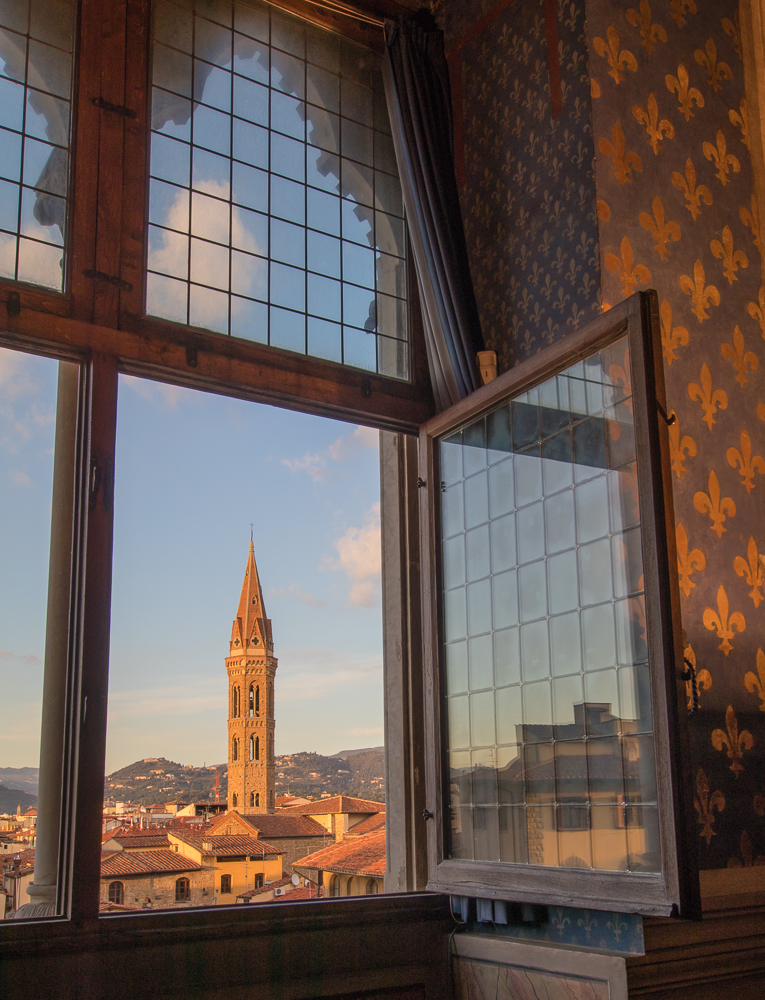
(251, 622)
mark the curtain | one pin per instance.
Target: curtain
(417, 90)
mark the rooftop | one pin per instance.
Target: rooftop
(335, 804)
(279, 825)
(212, 845)
(114, 863)
(352, 856)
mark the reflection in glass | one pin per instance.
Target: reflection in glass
(542, 570)
(36, 55)
(255, 108)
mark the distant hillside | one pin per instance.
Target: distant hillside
(23, 778)
(355, 772)
(362, 773)
(12, 798)
(156, 779)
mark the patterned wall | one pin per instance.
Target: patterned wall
(667, 121)
(529, 199)
(677, 213)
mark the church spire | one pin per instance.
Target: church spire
(251, 627)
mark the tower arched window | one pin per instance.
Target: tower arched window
(252, 748)
(252, 799)
(253, 701)
(235, 749)
(257, 699)
(234, 800)
(257, 748)
(257, 798)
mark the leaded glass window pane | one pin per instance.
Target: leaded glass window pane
(275, 207)
(549, 728)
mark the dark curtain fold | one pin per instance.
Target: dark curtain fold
(417, 89)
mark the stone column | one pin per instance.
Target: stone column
(43, 890)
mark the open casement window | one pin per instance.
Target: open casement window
(552, 645)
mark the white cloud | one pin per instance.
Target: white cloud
(19, 478)
(305, 674)
(166, 396)
(29, 658)
(295, 593)
(360, 558)
(317, 464)
(183, 699)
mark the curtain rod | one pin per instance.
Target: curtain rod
(334, 7)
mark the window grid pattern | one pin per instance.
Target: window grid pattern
(36, 57)
(275, 207)
(550, 741)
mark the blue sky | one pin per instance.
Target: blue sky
(193, 471)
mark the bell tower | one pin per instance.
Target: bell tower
(251, 667)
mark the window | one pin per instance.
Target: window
(257, 798)
(252, 748)
(117, 893)
(257, 699)
(235, 749)
(225, 884)
(334, 885)
(235, 800)
(557, 631)
(36, 57)
(349, 887)
(183, 890)
(371, 889)
(258, 882)
(256, 748)
(275, 209)
(252, 702)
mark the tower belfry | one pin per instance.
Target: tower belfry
(251, 666)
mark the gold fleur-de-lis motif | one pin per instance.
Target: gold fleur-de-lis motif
(752, 569)
(713, 504)
(678, 446)
(705, 803)
(719, 621)
(618, 61)
(700, 293)
(710, 399)
(716, 71)
(724, 161)
(629, 272)
(687, 562)
(671, 337)
(741, 119)
(757, 310)
(678, 9)
(649, 116)
(686, 95)
(703, 677)
(624, 162)
(731, 258)
(732, 28)
(751, 219)
(661, 230)
(649, 33)
(742, 361)
(748, 464)
(736, 742)
(747, 854)
(756, 682)
(693, 195)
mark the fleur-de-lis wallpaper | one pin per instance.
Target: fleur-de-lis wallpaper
(653, 92)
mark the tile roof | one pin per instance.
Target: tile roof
(352, 856)
(375, 822)
(335, 804)
(141, 863)
(226, 846)
(141, 841)
(278, 825)
(291, 897)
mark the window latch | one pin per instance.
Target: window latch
(117, 109)
(689, 674)
(427, 814)
(421, 483)
(124, 286)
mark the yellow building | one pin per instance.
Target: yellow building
(240, 863)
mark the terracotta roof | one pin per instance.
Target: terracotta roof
(279, 825)
(115, 908)
(335, 804)
(291, 897)
(141, 841)
(149, 862)
(376, 822)
(268, 887)
(226, 846)
(352, 856)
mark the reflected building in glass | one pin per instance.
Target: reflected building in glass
(550, 740)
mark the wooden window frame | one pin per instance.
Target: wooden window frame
(676, 888)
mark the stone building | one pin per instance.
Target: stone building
(154, 878)
(294, 836)
(251, 666)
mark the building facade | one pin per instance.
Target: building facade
(251, 666)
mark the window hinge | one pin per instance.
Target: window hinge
(117, 109)
(427, 814)
(421, 483)
(124, 286)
